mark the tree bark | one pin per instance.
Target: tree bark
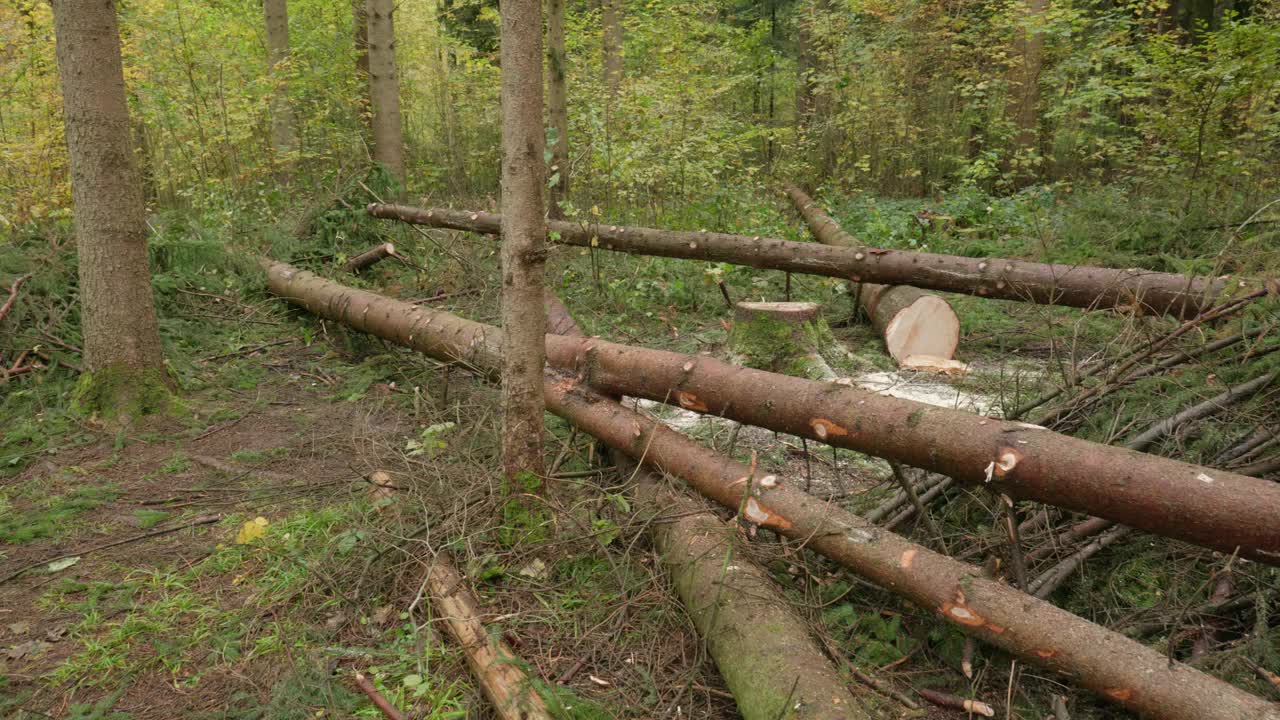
(611, 44)
(557, 107)
(524, 235)
(1120, 669)
(283, 138)
(384, 89)
(121, 335)
(1213, 508)
(1052, 284)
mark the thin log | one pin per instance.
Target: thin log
(947, 700)
(1120, 669)
(1044, 585)
(900, 498)
(1069, 537)
(1213, 405)
(1261, 467)
(1213, 508)
(369, 257)
(1257, 439)
(930, 495)
(492, 661)
(1055, 284)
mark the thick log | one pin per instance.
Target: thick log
(1122, 670)
(1006, 279)
(764, 651)
(1214, 508)
(912, 322)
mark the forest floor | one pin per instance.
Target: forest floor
(286, 417)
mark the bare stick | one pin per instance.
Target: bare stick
(947, 700)
(381, 702)
(13, 295)
(1044, 585)
(369, 257)
(910, 490)
(202, 520)
(1015, 542)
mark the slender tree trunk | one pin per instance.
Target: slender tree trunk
(557, 106)
(384, 89)
(611, 26)
(121, 336)
(360, 40)
(1024, 87)
(282, 129)
(524, 233)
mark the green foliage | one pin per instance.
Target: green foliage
(53, 517)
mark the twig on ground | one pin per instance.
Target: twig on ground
(13, 295)
(202, 520)
(947, 700)
(381, 702)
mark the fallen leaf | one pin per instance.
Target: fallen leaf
(536, 569)
(31, 648)
(254, 529)
(19, 628)
(382, 615)
(63, 564)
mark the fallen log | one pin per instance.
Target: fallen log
(1213, 405)
(911, 321)
(1006, 279)
(369, 257)
(491, 661)
(1120, 669)
(1213, 508)
(764, 652)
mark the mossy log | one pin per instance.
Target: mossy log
(1119, 669)
(1095, 288)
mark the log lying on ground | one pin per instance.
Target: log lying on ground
(1120, 669)
(491, 661)
(1213, 508)
(369, 257)
(911, 321)
(764, 652)
(1051, 284)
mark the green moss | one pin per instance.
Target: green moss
(122, 393)
(767, 343)
(522, 520)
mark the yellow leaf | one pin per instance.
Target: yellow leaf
(252, 530)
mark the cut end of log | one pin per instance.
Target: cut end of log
(934, 364)
(925, 327)
(789, 312)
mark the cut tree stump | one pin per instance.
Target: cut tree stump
(782, 337)
(913, 323)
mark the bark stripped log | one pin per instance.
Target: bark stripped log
(1214, 508)
(1006, 279)
(764, 652)
(1120, 669)
(491, 660)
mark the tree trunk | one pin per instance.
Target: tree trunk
(1024, 86)
(360, 42)
(1213, 508)
(282, 126)
(121, 335)
(384, 89)
(611, 44)
(557, 107)
(1121, 670)
(524, 235)
(1051, 284)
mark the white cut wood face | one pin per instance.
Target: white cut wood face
(927, 326)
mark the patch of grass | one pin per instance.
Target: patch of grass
(179, 463)
(54, 518)
(148, 518)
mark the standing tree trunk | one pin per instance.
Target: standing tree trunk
(524, 233)
(282, 130)
(557, 107)
(611, 25)
(360, 40)
(121, 336)
(1024, 86)
(384, 89)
